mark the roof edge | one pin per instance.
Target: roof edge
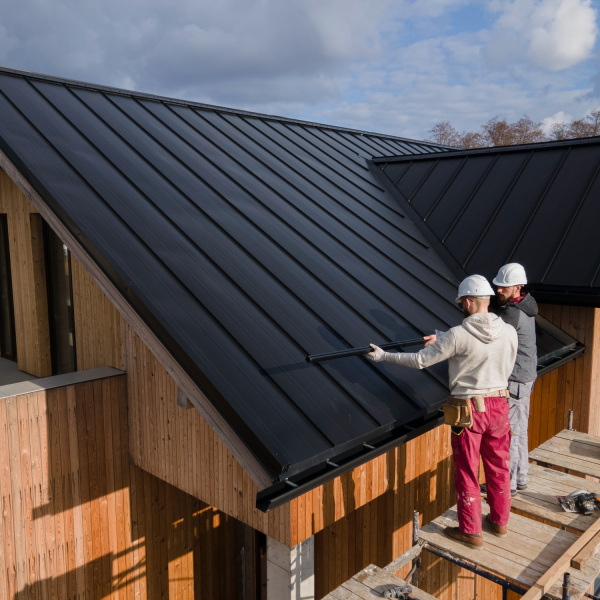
(548, 145)
(211, 107)
(263, 469)
(568, 295)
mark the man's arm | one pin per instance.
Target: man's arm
(443, 348)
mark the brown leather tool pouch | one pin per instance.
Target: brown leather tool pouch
(478, 403)
(458, 412)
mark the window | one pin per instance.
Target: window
(60, 303)
(8, 343)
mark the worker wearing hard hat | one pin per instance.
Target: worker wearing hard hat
(519, 310)
(481, 355)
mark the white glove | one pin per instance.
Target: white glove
(377, 354)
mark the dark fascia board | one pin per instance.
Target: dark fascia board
(565, 294)
(569, 350)
(589, 141)
(292, 487)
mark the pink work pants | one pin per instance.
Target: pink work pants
(490, 437)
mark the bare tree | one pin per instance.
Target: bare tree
(499, 132)
(502, 133)
(527, 131)
(443, 133)
(471, 139)
(559, 131)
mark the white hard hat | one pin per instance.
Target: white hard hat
(510, 274)
(474, 285)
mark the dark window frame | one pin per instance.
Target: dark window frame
(63, 356)
(8, 337)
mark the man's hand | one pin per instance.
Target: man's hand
(377, 354)
(430, 339)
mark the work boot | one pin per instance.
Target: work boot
(521, 486)
(474, 540)
(497, 530)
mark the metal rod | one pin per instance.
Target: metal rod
(571, 419)
(470, 567)
(566, 594)
(415, 562)
(313, 358)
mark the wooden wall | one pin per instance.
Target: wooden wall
(416, 476)
(173, 443)
(575, 386)
(28, 280)
(80, 522)
(177, 445)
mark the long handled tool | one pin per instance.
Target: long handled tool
(313, 358)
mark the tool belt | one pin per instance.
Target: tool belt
(458, 412)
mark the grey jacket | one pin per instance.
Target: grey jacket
(521, 315)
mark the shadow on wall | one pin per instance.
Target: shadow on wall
(80, 521)
(381, 530)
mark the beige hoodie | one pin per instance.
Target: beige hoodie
(481, 355)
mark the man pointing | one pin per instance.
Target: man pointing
(481, 355)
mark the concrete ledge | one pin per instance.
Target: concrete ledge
(56, 381)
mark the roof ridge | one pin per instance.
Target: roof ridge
(192, 104)
(458, 152)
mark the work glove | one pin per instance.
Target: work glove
(377, 354)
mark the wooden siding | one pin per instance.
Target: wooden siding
(28, 279)
(79, 521)
(98, 328)
(575, 386)
(177, 445)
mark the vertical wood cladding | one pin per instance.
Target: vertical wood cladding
(28, 279)
(80, 521)
(377, 523)
(574, 386)
(98, 327)
(177, 445)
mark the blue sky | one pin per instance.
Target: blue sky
(391, 66)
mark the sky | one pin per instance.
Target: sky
(390, 66)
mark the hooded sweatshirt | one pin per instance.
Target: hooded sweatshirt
(481, 355)
(521, 315)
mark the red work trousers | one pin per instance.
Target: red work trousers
(489, 436)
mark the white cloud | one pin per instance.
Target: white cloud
(549, 34)
(394, 66)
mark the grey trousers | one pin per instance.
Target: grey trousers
(520, 395)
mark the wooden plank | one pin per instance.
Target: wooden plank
(109, 469)
(544, 583)
(524, 559)
(38, 440)
(586, 553)
(540, 497)
(557, 458)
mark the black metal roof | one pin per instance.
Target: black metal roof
(247, 242)
(536, 204)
